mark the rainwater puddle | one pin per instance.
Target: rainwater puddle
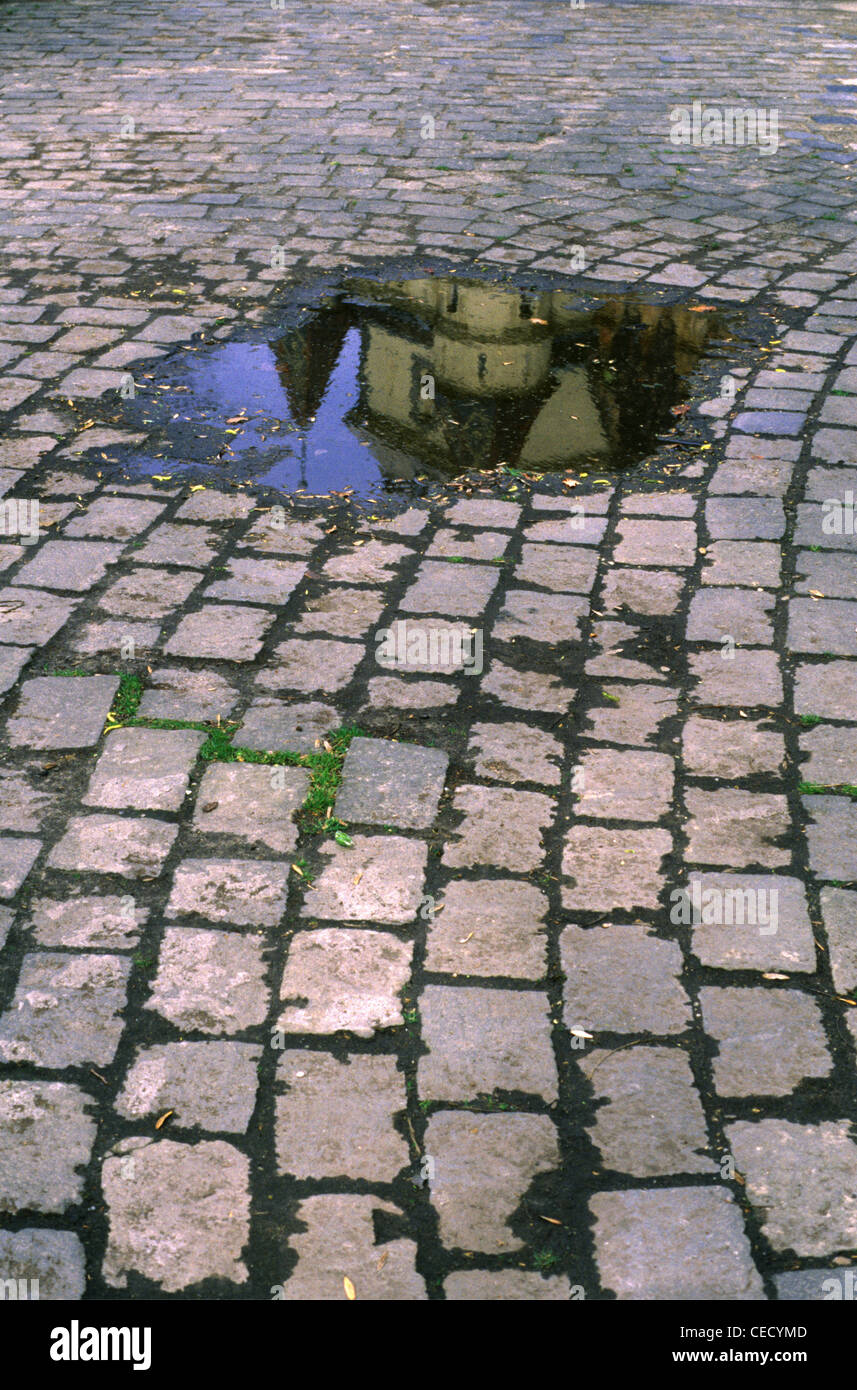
(380, 387)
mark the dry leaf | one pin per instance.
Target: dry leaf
(166, 1115)
(552, 1219)
(699, 308)
(773, 975)
(383, 1260)
(350, 1291)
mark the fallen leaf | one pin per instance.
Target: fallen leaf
(166, 1115)
(774, 975)
(350, 1291)
(552, 1219)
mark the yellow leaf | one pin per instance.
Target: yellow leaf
(166, 1115)
(162, 477)
(198, 487)
(350, 1291)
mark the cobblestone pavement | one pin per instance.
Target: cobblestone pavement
(498, 1037)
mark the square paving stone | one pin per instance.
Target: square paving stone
(213, 505)
(335, 1118)
(209, 1084)
(144, 769)
(17, 857)
(62, 711)
(501, 827)
(22, 805)
(803, 1180)
(652, 592)
(457, 590)
(749, 679)
(614, 784)
(610, 869)
(194, 546)
(374, 563)
(823, 625)
(483, 1040)
(824, 483)
(834, 576)
(197, 696)
(662, 543)
(540, 617)
(489, 927)
(135, 847)
(379, 878)
(660, 504)
(119, 517)
(341, 612)
(742, 614)
(198, 1192)
(742, 562)
(63, 564)
(832, 756)
(617, 643)
(581, 527)
(832, 836)
(257, 581)
(46, 1137)
(255, 803)
(65, 1011)
(835, 446)
(90, 923)
(485, 545)
(515, 753)
(386, 692)
(386, 783)
(684, 1243)
(767, 477)
(814, 1285)
(620, 978)
(52, 1261)
(632, 716)
(839, 911)
(821, 525)
(503, 1286)
(745, 518)
(312, 665)
(149, 593)
(484, 511)
(245, 892)
(649, 1120)
(828, 690)
(281, 535)
(755, 1030)
(530, 690)
(429, 645)
(28, 616)
(339, 980)
(12, 662)
(563, 569)
(484, 1166)
(338, 1233)
(122, 640)
(732, 925)
(273, 725)
(210, 981)
(731, 749)
(736, 827)
(221, 632)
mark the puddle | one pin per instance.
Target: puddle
(379, 386)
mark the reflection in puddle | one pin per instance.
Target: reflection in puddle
(383, 383)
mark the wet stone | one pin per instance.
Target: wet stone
(768, 477)
(152, 1186)
(485, 545)
(121, 518)
(283, 536)
(146, 593)
(62, 711)
(659, 504)
(731, 749)
(254, 802)
(135, 847)
(770, 421)
(832, 756)
(26, 616)
(219, 632)
(515, 753)
(749, 679)
(501, 827)
(272, 725)
(741, 614)
(22, 806)
(622, 979)
(339, 980)
(614, 647)
(245, 892)
(607, 869)
(377, 879)
(632, 715)
(442, 587)
(144, 769)
(624, 784)
(540, 617)
(484, 1166)
(577, 529)
(660, 543)
(483, 1040)
(207, 1084)
(674, 1243)
(65, 1011)
(479, 511)
(75, 565)
(341, 612)
(46, 1137)
(736, 827)
(803, 1180)
(745, 518)
(210, 981)
(193, 546)
(529, 690)
(17, 857)
(335, 1118)
(832, 836)
(489, 927)
(52, 1261)
(746, 942)
(194, 696)
(107, 923)
(829, 690)
(650, 592)
(755, 1030)
(374, 563)
(839, 911)
(835, 576)
(312, 665)
(564, 569)
(338, 1233)
(12, 662)
(213, 505)
(257, 581)
(649, 1120)
(386, 783)
(823, 625)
